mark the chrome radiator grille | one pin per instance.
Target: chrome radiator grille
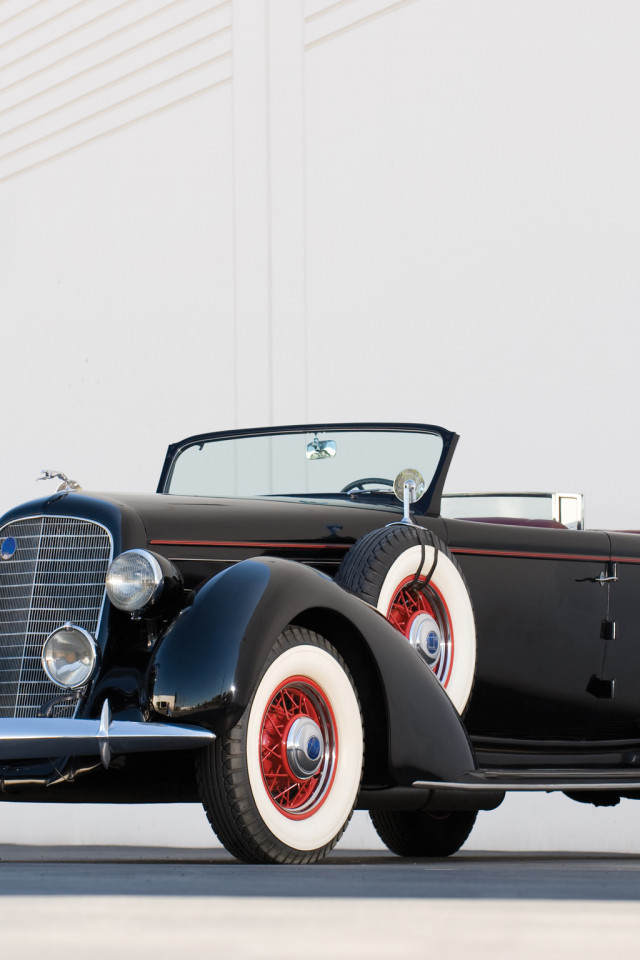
(56, 575)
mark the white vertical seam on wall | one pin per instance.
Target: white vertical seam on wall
(234, 223)
(305, 268)
(286, 51)
(251, 210)
(267, 79)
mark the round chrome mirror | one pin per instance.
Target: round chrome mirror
(416, 487)
(408, 486)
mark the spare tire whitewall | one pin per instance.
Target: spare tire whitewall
(411, 577)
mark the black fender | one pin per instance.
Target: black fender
(208, 663)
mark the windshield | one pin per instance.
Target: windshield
(305, 463)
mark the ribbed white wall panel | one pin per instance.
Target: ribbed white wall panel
(326, 20)
(113, 79)
(39, 122)
(11, 10)
(38, 24)
(68, 29)
(111, 56)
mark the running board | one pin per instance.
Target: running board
(541, 780)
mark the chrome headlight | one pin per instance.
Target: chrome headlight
(69, 656)
(134, 580)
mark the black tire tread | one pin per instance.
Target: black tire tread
(419, 834)
(363, 570)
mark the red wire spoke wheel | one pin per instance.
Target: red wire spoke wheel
(298, 747)
(420, 612)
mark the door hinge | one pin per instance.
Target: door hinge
(608, 630)
(601, 689)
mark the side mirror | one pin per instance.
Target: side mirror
(408, 487)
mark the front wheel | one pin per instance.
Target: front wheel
(280, 787)
(418, 834)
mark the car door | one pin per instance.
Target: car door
(618, 716)
(539, 618)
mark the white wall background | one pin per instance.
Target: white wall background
(230, 213)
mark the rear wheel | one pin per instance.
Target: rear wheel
(417, 834)
(281, 785)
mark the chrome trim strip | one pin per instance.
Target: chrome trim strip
(29, 738)
(280, 545)
(546, 787)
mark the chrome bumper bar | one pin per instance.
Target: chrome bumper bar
(31, 738)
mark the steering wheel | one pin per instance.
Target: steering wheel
(360, 483)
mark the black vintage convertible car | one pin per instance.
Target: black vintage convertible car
(299, 623)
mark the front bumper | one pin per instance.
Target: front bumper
(47, 738)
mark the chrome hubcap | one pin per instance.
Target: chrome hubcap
(425, 636)
(305, 748)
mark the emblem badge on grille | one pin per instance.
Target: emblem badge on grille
(8, 548)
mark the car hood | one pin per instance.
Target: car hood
(224, 529)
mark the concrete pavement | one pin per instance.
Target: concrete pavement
(98, 902)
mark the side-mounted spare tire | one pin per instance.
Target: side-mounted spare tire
(412, 578)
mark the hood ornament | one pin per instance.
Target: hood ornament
(67, 485)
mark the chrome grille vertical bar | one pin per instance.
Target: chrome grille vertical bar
(28, 623)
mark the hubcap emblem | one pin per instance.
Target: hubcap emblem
(433, 643)
(424, 635)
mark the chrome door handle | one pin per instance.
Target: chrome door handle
(603, 578)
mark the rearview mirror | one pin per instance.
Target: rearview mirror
(321, 449)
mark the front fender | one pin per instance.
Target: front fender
(209, 662)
